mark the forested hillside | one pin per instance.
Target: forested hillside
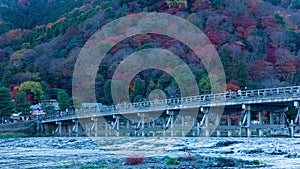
(257, 41)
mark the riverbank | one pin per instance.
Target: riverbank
(123, 152)
(13, 135)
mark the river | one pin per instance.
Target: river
(73, 152)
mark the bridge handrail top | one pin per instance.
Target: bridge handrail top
(217, 94)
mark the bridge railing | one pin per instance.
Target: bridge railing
(281, 92)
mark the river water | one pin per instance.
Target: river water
(52, 152)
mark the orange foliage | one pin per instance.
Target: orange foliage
(232, 87)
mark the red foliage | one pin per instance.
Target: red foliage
(196, 5)
(71, 32)
(24, 2)
(202, 4)
(244, 25)
(214, 38)
(253, 5)
(271, 55)
(244, 21)
(224, 117)
(13, 90)
(289, 66)
(135, 160)
(161, 6)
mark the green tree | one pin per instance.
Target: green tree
(204, 85)
(119, 91)
(185, 80)
(107, 92)
(77, 103)
(32, 88)
(240, 72)
(139, 87)
(138, 98)
(63, 99)
(21, 104)
(6, 103)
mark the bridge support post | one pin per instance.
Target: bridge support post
(204, 122)
(143, 125)
(297, 119)
(292, 129)
(247, 118)
(260, 121)
(128, 127)
(87, 129)
(282, 122)
(198, 129)
(96, 126)
(69, 130)
(218, 133)
(76, 128)
(164, 125)
(240, 129)
(182, 125)
(229, 124)
(106, 129)
(59, 128)
(248, 123)
(172, 123)
(154, 127)
(271, 123)
(117, 125)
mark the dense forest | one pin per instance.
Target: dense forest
(40, 40)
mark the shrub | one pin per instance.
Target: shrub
(135, 160)
(256, 162)
(173, 161)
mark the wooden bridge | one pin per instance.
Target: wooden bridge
(239, 113)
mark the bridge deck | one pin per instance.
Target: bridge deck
(273, 96)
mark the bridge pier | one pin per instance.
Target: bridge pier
(182, 125)
(128, 127)
(292, 129)
(76, 127)
(170, 121)
(296, 123)
(142, 123)
(59, 128)
(260, 122)
(229, 132)
(248, 115)
(218, 133)
(204, 122)
(271, 122)
(282, 122)
(116, 125)
(106, 129)
(95, 126)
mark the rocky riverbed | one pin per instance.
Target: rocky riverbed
(161, 152)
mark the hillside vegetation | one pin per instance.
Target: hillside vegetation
(257, 41)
